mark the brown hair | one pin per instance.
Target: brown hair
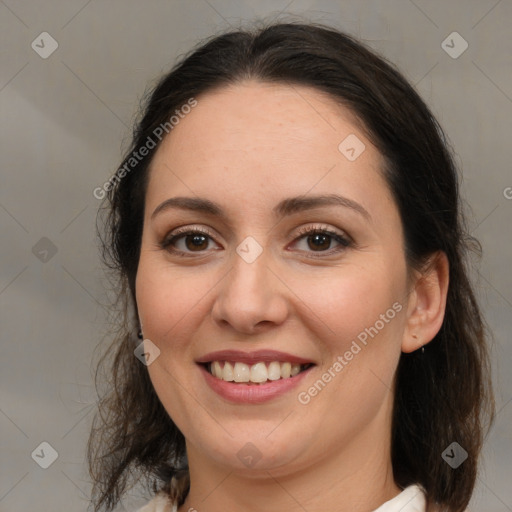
(442, 395)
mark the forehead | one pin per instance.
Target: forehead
(250, 114)
(261, 140)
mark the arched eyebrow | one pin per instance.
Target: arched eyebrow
(304, 203)
(285, 207)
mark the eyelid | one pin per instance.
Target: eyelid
(194, 228)
(324, 228)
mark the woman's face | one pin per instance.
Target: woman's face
(261, 165)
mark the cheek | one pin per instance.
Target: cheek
(169, 299)
(170, 305)
(351, 303)
(357, 318)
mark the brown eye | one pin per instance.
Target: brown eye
(319, 241)
(196, 242)
(187, 242)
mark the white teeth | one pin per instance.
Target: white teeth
(258, 373)
(227, 374)
(274, 371)
(241, 372)
(217, 369)
(286, 369)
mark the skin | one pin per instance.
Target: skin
(247, 147)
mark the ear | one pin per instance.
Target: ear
(427, 303)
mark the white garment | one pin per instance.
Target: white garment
(411, 499)
(160, 503)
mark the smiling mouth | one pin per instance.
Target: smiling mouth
(258, 373)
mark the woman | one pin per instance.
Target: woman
(287, 232)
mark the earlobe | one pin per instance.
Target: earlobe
(427, 303)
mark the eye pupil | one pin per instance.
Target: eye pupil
(320, 241)
(198, 242)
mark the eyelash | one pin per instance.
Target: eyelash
(344, 241)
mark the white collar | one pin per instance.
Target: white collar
(411, 499)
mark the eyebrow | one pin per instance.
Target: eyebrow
(285, 207)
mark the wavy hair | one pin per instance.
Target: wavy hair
(443, 395)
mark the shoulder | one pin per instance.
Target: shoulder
(160, 503)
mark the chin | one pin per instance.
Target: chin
(253, 454)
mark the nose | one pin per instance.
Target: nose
(251, 298)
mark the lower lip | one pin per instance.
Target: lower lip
(252, 393)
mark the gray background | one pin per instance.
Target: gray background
(66, 120)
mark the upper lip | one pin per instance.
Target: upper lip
(251, 357)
